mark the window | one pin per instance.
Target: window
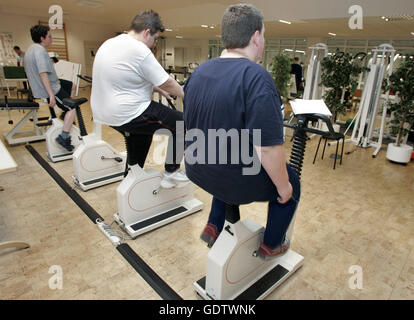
(336, 42)
(356, 43)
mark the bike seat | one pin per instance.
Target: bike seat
(73, 103)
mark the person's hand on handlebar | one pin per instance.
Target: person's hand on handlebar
(163, 93)
(285, 194)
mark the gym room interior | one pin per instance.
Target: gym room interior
(353, 227)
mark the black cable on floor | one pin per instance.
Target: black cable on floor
(156, 283)
(159, 285)
(89, 211)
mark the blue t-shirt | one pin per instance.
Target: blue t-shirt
(226, 102)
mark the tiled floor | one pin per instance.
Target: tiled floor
(361, 214)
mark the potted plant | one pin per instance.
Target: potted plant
(339, 73)
(280, 71)
(401, 83)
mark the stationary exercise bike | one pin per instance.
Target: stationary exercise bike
(143, 204)
(234, 271)
(96, 162)
(55, 152)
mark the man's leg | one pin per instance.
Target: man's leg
(215, 223)
(139, 146)
(69, 117)
(278, 220)
(140, 139)
(68, 120)
(166, 118)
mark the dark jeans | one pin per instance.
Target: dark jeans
(155, 117)
(279, 215)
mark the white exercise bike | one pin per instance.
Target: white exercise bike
(144, 205)
(55, 152)
(234, 271)
(96, 162)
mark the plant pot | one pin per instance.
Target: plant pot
(401, 154)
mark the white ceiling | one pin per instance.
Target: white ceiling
(311, 18)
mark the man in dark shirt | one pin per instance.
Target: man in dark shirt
(233, 100)
(297, 71)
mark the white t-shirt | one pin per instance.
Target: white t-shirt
(124, 74)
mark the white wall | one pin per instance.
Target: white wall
(195, 50)
(77, 33)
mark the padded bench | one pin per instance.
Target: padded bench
(32, 107)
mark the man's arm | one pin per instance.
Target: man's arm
(163, 92)
(46, 83)
(273, 159)
(172, 88)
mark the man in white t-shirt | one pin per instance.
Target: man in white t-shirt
(125, 75)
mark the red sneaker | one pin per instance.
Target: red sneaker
(265, 252)
(210, 234)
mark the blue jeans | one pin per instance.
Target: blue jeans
(279, 215)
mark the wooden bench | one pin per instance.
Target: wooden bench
(7, 164)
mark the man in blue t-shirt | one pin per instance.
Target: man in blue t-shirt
(233, 103)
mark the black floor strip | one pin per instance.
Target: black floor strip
(159, 285)
(89, 211)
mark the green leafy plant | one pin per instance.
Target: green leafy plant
(339, 72)
(280, 71)
(401, 83)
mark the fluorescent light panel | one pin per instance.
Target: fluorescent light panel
(332, 34)
(90, 3)
(284, 21)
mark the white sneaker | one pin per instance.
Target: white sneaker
(171, 179)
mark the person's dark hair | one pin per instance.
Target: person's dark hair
(147, 20)
(296, 59)
(38, 31)
(238, 25)
(16, 48)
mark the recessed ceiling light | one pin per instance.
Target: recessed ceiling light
(204, 26)
(168, 29)
(211, 27)
(290, 50)
(412, 33)
(179, 37)
(218, 35)
(90, 3)
(332, 34)
(284, 21)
